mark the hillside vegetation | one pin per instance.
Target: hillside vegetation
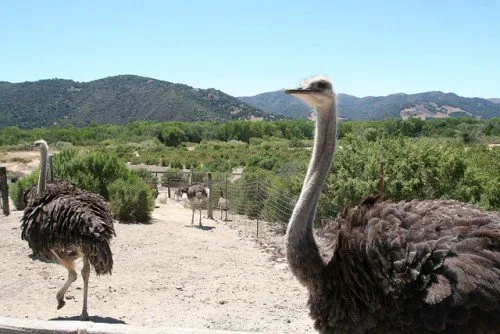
(115, 100)
(442, 158)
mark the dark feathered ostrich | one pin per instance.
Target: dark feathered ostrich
(408, 267)
(197, 195)
(66, 223)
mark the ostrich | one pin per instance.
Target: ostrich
(408, 267)
(197, 196)
(178, 194)
(223, 205)
(64, 222)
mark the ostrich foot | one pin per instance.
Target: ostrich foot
(84, 316)
(60, 303)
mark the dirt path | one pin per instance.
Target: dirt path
(166, 274)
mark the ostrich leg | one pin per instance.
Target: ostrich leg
(85, 275)
(192, 217)
(200, 219)
(71, 278)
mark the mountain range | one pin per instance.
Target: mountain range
(126, 98)
(118, 100)
(424, 105)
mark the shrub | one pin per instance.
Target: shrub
(131, 200)
(172, 177)
(16, 190)
(93, 171)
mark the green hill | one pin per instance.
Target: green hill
(118, 100)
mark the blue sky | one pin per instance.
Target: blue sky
(249, 47)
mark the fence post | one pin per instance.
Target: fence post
(191, 176)
(168, 187)
(227, 202)
(209, 184)
(255, 203)
(4, 190)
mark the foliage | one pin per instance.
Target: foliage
(173, 177)
(131, 200)
(16, 190)
(99, 172)
(93, 171)
(423, 169)
(442, 158)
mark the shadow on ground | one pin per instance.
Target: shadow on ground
(203, 228)
(94, 318)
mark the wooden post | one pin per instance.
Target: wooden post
(227, 202)
(209, 185)
(254, 203)
(4, 191)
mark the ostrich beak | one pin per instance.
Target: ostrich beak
(299, 90)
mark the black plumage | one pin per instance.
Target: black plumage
(415, 266)
(421, 266)
(70, 220)
(64, 223)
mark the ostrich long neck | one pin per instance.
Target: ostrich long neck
(302, 252)
(42, 180)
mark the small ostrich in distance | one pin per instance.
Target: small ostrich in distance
(223, 205)
(197, 196)
(64, 223)
(177, 194)
(409, 267)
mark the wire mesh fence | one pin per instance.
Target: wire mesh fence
(254, 204)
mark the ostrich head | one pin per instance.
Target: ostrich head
(316, 91)
(40, 144)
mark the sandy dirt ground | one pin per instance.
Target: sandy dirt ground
(166, 273)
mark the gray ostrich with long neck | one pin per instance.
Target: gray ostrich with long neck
(64, 223)
(418, 266)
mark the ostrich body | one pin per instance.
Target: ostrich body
(223, 205)
(409, 267)
(197, 196)
(64, 223)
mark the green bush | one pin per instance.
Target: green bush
(130, 197)
(93, 171)
(131, 200)
(16, 190)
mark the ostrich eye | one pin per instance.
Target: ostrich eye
(321, 85)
